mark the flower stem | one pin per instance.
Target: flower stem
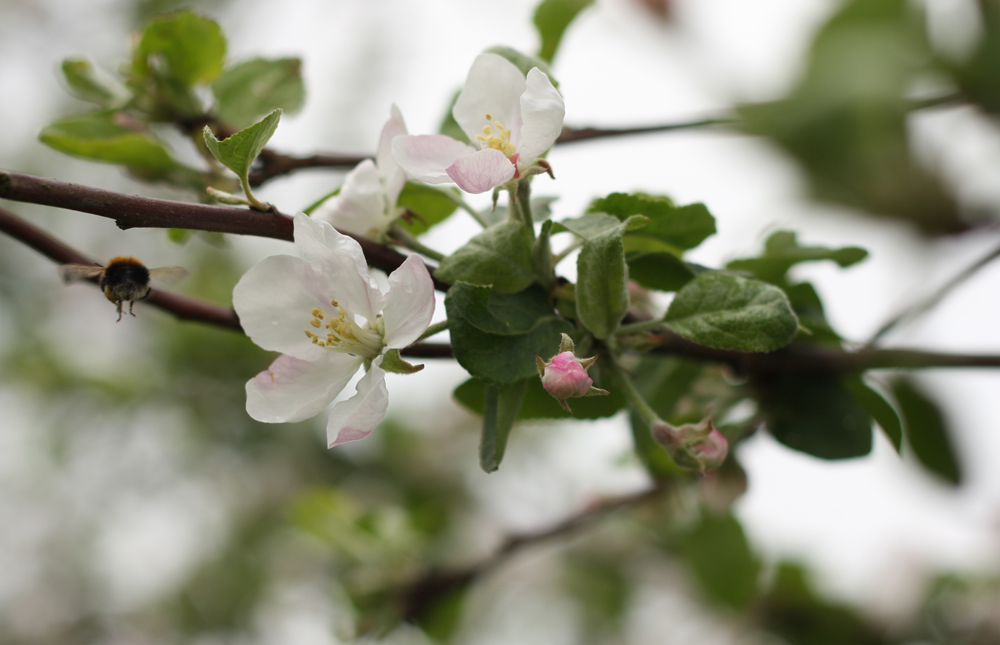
(520, 204)
(635, 328)
(255, 203)
(458, 201)
(436, 328)
(635, 399)
(405, 238)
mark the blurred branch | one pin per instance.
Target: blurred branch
(272, 164)
(569, 135)
(132, 211)
(421, 595)
(931, 301)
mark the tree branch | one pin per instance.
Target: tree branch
(419, 596)
(133, 211)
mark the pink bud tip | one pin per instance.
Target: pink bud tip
(565, 378)
(696, 446)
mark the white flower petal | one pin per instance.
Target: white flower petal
(427, 157)
(291, 390)
(542, 109)
(360, 208)
(482, 171)
(409, 305)
(393, 176)
(356, 417)
(343, 266)
(494, 86)
(274, 301)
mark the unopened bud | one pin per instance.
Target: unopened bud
(696, 446)
(565, 376)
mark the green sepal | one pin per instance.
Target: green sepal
(392, 362)
(731, 312)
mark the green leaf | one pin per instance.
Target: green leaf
(431, 205)
(239, 151)
(926, 431)
(681, 227)
(658, 270)
(499, 256)
(449, 126)
(248, 91)
(539, 404)
(815, 414)
(730, 312)
(602, 281)
(501, 408)
(523, 62)
(98, 136)
(94, 84)
(717, 552)
(552, 17)
(191, 45)
(878, 408)
(782, 251)
(501, 358)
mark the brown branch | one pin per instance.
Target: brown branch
(570, 135)
(133, 211)
(419, 596)
(272, 164)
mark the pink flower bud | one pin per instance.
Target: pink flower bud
(565, 378)
(693, 445)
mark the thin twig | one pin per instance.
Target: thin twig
(419, 596)
(931, 301)
(132, 211)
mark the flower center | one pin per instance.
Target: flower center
(497, 137)
(342, 334)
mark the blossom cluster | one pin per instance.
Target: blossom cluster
(324, 311)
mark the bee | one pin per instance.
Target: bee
(125, 279)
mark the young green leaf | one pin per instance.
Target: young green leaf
(679, 227)
(659, 270)
(499, 256)
(248, 91)
(502, 404)
(239, 151)
(926, 431)
(501, 358)
(94, 84)
(99, 137)
(191, 45)
(552, 17)
(815, 414)
(730, 312)
(431, 205)
(782, 252)
(602, 282)
(879, 409)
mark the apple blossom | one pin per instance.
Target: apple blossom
(512, 120)
(565, 376)
(693, 445)
(366, 204)
(327, 317)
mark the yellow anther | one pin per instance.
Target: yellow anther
(486, 130)
(309, 334)
(315, 323)
(317, 312)
(489, 117)
(334, 303)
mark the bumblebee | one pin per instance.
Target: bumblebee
(124, 279)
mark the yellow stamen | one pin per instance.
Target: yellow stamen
(499, 141)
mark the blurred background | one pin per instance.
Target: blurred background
(140, 504)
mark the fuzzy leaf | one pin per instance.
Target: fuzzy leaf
(248, 91)
(499, 256)
(502, 404)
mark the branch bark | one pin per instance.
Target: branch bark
(133, 211)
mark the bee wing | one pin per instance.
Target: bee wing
(77, 272)
(167, 276)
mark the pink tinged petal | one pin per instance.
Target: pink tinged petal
(393, 176)
(360, 208)
(542, 109)
(273, 301)
(409, 305)
(493, 86)
(356, 417)
(427, 157)
(291, 389)
(482, 171)
(339, 259)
